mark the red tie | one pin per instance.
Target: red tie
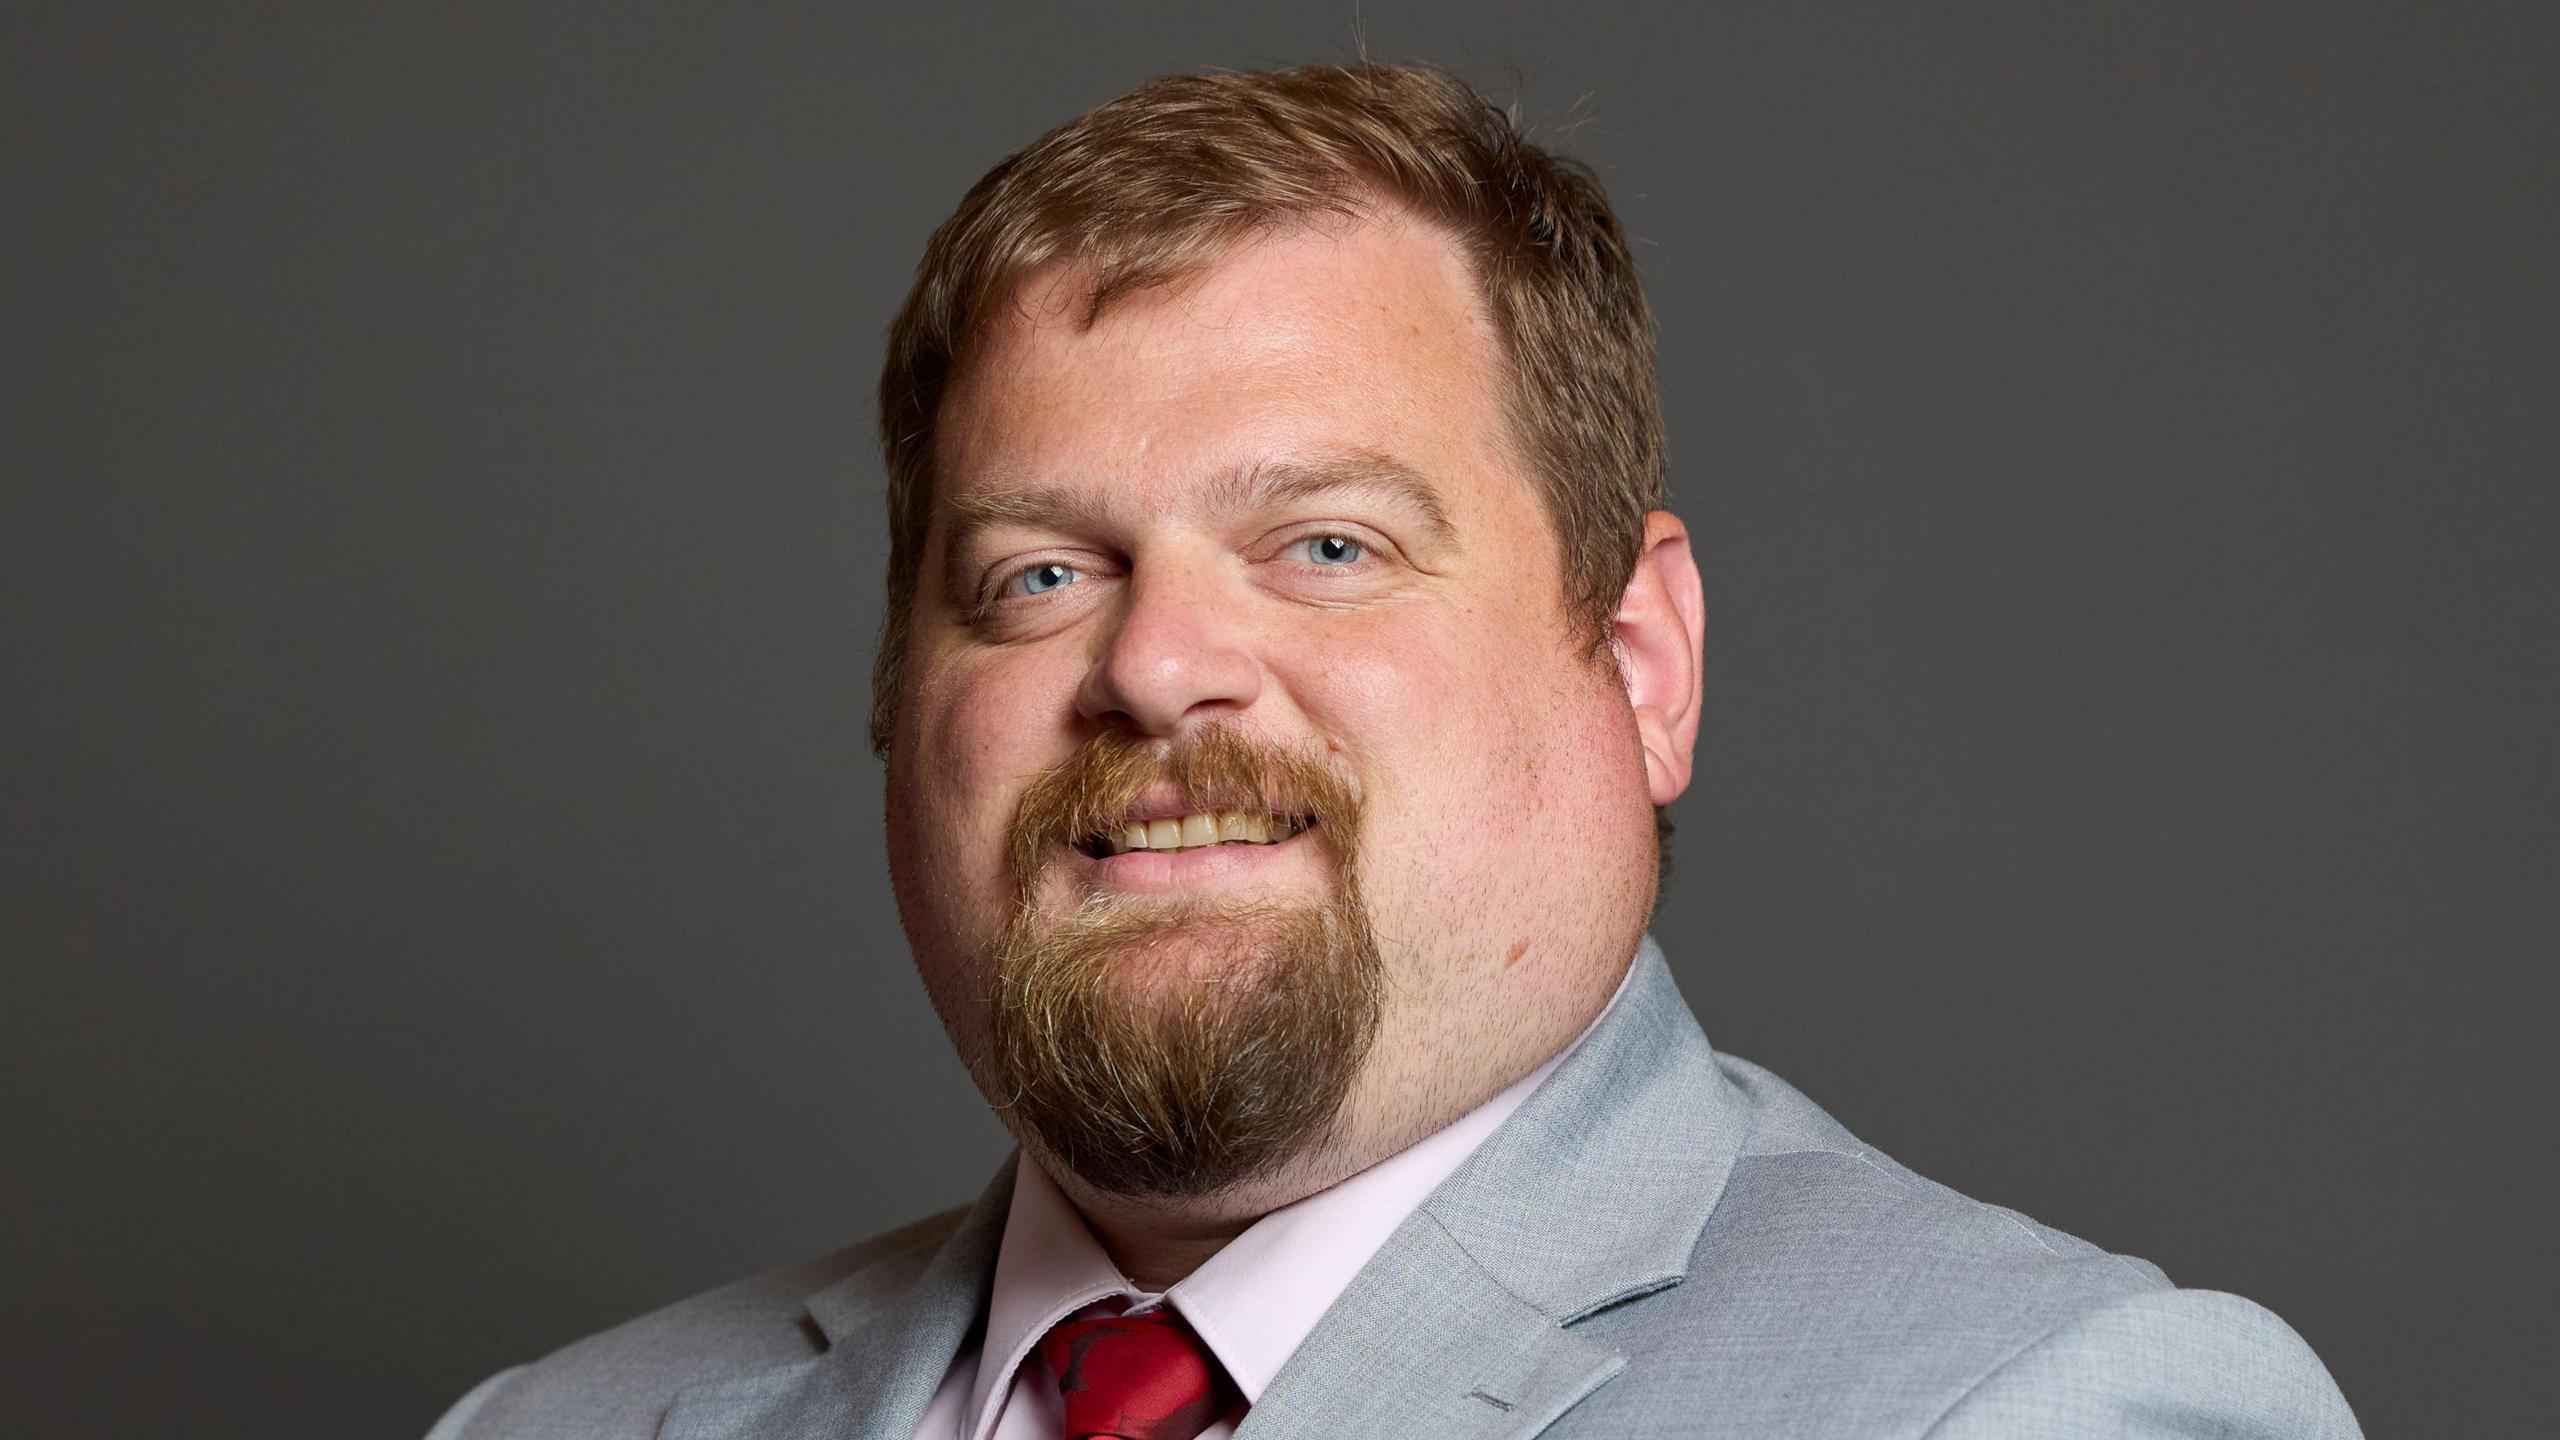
(1136, 1377)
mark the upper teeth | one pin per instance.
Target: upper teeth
(1209, 827)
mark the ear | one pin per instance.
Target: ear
(1660, 639)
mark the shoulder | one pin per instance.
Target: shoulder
(1835, 1291)
(620, 1381)
(1804, 1183)
(2171, 1362)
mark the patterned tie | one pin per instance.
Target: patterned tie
(1136, 1377)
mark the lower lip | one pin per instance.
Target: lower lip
(1211, 867)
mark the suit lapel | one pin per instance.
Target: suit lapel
(1424, 1343)
(891, 1330)
(1593, 1193)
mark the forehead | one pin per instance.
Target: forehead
(1364, 336)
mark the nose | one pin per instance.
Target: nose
(1178, 649)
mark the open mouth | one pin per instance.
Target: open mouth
(1197, 831)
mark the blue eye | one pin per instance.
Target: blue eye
(1335, 550)
(1040, 579)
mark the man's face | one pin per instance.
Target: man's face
(1276, 503)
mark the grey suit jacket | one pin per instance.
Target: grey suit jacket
(1660, 1242)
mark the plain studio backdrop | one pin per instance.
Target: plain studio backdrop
(443, 894)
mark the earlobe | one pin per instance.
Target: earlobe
(1659, 638)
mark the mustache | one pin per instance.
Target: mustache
(1220, 766)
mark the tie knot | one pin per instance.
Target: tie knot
(1136, 1377)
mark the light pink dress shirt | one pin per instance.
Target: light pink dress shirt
(1253, 1302)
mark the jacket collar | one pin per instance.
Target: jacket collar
(891, 1330)
(1633, 1138)
(1594, 1192)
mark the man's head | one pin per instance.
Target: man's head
(1279, 451)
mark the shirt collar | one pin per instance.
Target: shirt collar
(1048, 1267)
(1256, 1300)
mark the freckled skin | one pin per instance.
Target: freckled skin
(1508, 849)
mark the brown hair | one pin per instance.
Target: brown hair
(1162, 180)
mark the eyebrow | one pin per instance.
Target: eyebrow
(1276, 482)
(1261, 485)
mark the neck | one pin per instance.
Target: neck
(1158, 1240)
(1154, 1258)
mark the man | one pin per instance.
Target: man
(1288, 655)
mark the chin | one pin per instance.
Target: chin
(1175, 1048)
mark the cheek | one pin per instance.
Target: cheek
(975, 743)
(1440, 726)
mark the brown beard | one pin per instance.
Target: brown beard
(1154, 1074)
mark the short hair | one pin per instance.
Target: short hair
(1161, 181)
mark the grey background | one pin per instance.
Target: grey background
(443, 901)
